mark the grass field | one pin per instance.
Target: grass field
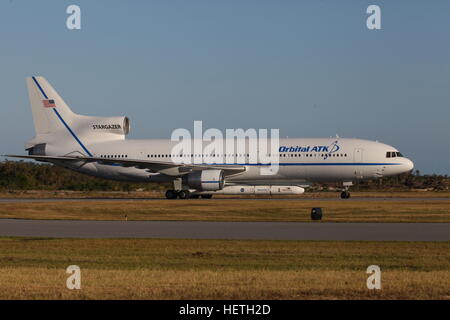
(218, 269)
(34, 268)
(430, 210)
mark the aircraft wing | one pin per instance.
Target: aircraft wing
(164, 167)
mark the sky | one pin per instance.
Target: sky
(309, 68)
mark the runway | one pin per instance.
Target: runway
(22, 200)
(226, 230)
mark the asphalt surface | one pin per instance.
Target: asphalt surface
(226, 230)
(20, 200)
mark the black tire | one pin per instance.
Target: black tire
(195, 196)
(345, 195)
(184, 194)
(206, 196)
(171, 194)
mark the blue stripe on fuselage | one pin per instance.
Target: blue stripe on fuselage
(305, 164)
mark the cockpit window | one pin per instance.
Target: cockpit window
(393, 154)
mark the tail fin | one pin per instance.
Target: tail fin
(59, 131)
(43, 100)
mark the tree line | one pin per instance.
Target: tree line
(410, 180)
(22, 175)
(405, 181)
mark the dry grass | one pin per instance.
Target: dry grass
(432, 210)
(220, 269)
(27, 283)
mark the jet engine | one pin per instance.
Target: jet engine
(111, 125)
(205, 180)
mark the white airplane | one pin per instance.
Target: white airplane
(97, 146)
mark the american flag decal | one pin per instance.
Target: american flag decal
(49, 103)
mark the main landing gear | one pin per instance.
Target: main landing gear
(171, 194)
(346, 194)
(185, 194)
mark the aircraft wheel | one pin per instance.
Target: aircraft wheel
(206, 196)
(184, 194)
(171, 194)
(345, 195)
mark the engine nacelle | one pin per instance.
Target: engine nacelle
(205, 180)
(100, 129)
(112, 125)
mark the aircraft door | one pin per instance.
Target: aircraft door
(358, 159)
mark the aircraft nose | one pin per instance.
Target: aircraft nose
(408, 165)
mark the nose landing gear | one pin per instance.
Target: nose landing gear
(345, 194)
